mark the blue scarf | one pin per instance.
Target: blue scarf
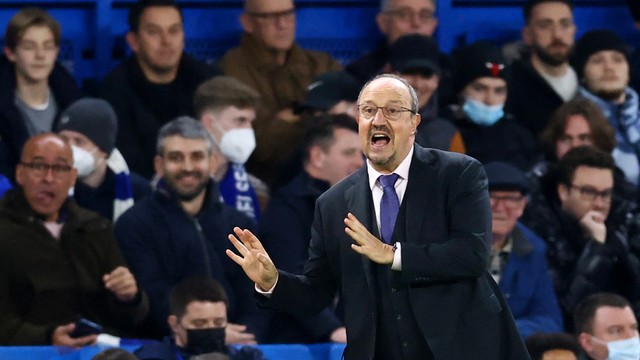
(625, 120)
(124, 190)
(237, 191)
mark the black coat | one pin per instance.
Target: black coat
(459, 310)
(143, 108)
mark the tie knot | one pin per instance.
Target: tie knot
(388, 180)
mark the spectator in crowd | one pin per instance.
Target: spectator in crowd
(395, 19)
(607, 327)
(114, 354)
(59, 261)
(227, 108)
(269, 60)
(334, 92)
(35, 88)
(412, 290)
(180, 230)
(488, 133)
(331, 152)
(634, 60)
(518, 256)
(198, 318)
(543, 80)
(553, 346)
(592, 237)
(105, 184)
(155, 84)
(601, 60)
(415, 59)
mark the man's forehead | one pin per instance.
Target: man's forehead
(183, 144)
(551, 9)
(392, 89)
(156, 15)
(47, 147)
(261, 6)
(412, 3)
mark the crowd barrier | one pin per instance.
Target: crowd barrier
(272, 352)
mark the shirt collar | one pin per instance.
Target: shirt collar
(402, 170)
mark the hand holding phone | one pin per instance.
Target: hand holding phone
(85, 327)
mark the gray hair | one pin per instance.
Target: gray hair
(412, 91)
(186, 127)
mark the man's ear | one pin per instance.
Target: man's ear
(132, 40)
(563, 192)
(158, 161)
(246, 23)
(172, 320)
(585, 342)
(382, 20)
(316, 156)
(9, 54)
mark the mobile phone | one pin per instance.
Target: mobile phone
(85, 327)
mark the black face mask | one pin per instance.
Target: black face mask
(204, 341)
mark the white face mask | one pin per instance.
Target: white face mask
(238, 144)
(83, 161)
(626, 349)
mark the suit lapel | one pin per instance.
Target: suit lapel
(418, 194)
(358, 198)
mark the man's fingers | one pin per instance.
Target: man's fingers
(237, 259)
(242, 249)
(266, 262)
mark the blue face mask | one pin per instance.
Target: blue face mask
(482, 114)
(627, 349)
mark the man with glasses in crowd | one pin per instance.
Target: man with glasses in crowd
(58, 261)
(518, 256)
(592, 237)
(269, 60)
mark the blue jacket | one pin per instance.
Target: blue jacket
(164, 245)
(527, 286)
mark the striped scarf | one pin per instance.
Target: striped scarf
(124, 189)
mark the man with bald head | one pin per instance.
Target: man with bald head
(59, 262)
(404, 240)
(269, 60)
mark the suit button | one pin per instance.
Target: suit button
(394, 290)
(399, 317)
(405, 344)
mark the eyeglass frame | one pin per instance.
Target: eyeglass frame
(59, 171)
(272, 17)
(406, 14)
(401, 109)
(591, 193)
(509, 202)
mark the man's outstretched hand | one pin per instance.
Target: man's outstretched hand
(254, 260)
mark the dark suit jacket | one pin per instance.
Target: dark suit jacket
(460, 310)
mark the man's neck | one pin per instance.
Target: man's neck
(192, 207)
(549, 70)
(32, 93)
(156, 77)
(281, 57)
(222, 169)
(498, 242)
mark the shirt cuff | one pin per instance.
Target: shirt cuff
(268, 292)
(397, 259)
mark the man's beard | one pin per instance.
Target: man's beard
(186, 195)
(609, 94)
(548, 58)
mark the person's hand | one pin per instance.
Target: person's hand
(339, 335)
(237, 334)
(367, 244)
(121, 283)
(60, 337)
(593, 223)
(254, 260)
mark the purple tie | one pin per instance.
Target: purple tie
(389, 206)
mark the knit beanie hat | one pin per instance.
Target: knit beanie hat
(481, 59)
(329, 89)
(414, 53)
(93, 118)
(592, 42)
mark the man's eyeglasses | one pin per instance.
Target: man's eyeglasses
(273, 17)
(41, 169)
(408, 14)
(390, 112)
(589, 193)
(510, 202)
